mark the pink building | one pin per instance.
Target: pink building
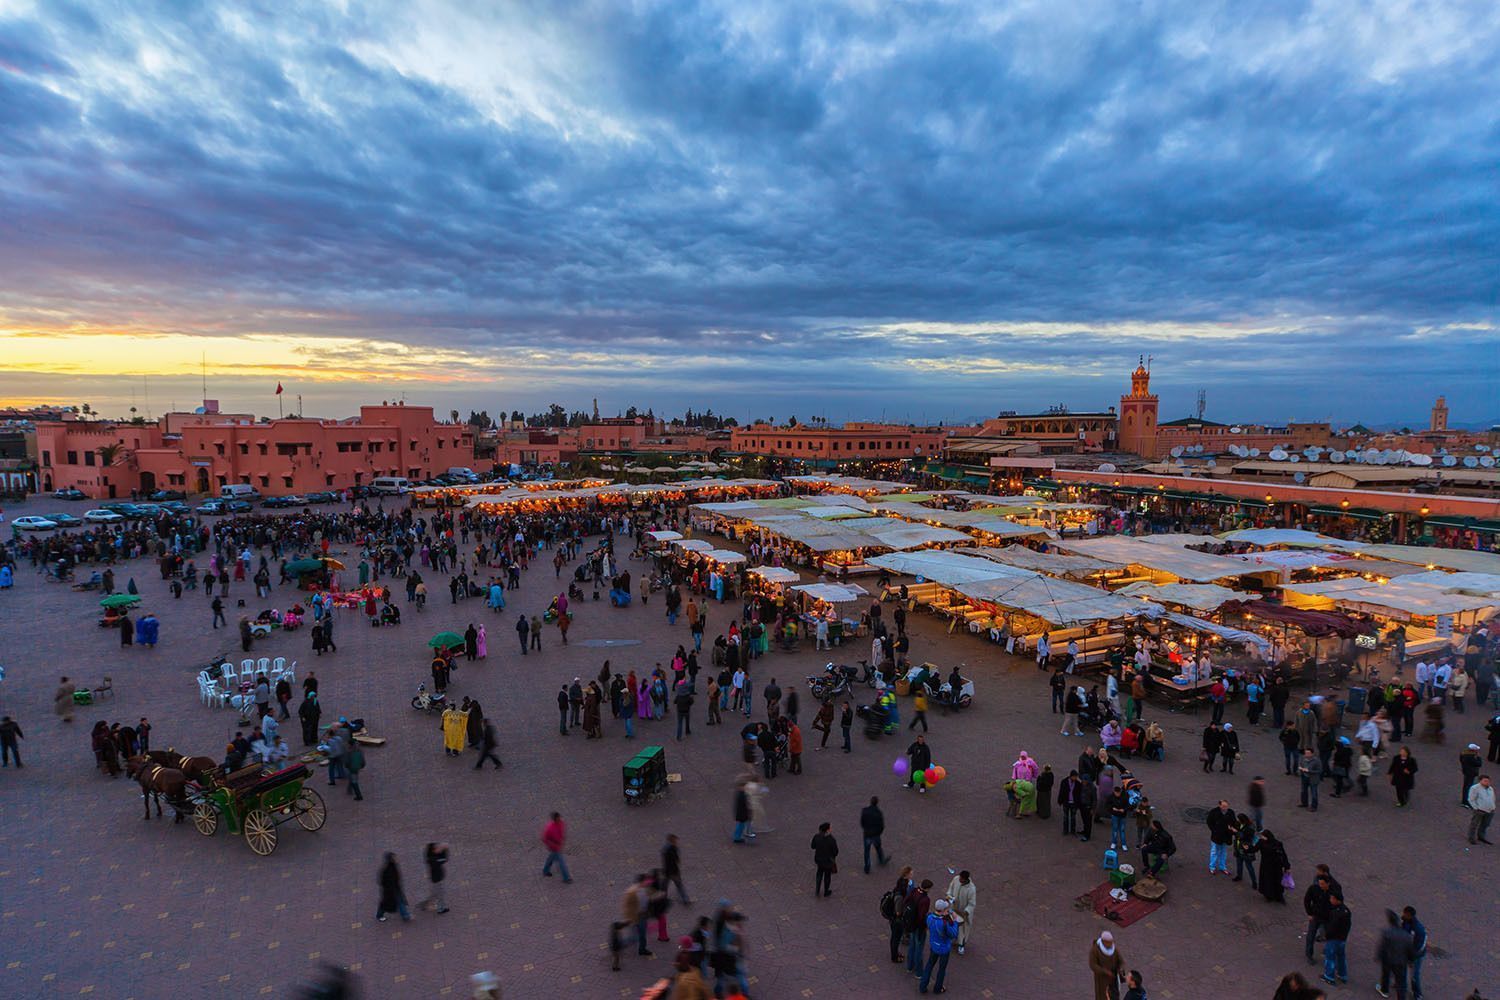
(199, 453)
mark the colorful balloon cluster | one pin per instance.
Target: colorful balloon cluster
(930, 776)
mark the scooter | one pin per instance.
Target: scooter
(833, 682)
(425, 702)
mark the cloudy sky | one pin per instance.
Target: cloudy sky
(927, 210)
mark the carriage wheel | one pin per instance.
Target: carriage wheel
(311, 812)
(260, 832)
(206, 818)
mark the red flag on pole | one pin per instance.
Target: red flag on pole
(278, 388)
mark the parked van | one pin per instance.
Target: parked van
(239, 491)
(389, 485)
(462, 472)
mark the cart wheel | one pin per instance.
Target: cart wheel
(206, 818)
(311, 812)
(260, 832)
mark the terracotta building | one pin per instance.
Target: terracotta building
(201, 452)
(853, 441)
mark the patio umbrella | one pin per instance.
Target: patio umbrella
(332, 563)
(297, 567)
(445, 640)
(120, 600)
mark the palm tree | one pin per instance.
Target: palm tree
(109, 452)
(454, 415)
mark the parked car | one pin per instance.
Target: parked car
(160, 495)
(237, 506)
(175, 506)
(69, 493)
(101, 516)
(122, 507)
(64, 520)
(32, 522)
(290, 500)
(210, 507)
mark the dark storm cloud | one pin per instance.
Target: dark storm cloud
(716, 195)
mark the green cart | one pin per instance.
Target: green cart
(252, 802)
(645, 776)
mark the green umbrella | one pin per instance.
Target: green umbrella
(297, 567)
(445, 640)
(120, 600)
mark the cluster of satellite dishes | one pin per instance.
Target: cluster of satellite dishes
(1368, 456)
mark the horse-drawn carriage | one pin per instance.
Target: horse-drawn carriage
(253, 802)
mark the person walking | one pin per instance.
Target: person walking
(891, 906)
(562, 711)
(536, 631)
(487, 744)
(1394, 953)
(436, 857)
(741, 813)
(846, 722)
(1072, 706)
(308, 713)
(554, 837)
(1255, 797)
(1107, 967)
(1469, 764)
(941, 931)
(392, 898)
(1315, 904)
(218, 609)
(1335, 940)
(10, 734)
(635, 911)
(1310, 770)
(523, 631)
(354, 762)
(919, 708)
(963, 897)
(671, 868)
(1221, 824)
(1482, 802)
(825, 854)
(919, 756)
(1418, 932)
(872, 825)
(1403, 773)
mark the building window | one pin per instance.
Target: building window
(440, 442)
(88, 458)
(244, 449)
(263, 449)
(219, 448)
(72, 458)
(265, 481)
(411, 446)
(46, 459)
(286, 481)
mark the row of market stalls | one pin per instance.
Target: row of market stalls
(592, 494)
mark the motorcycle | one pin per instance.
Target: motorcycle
(834, 681)
(949, 700)
(427, 702)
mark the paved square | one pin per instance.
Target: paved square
(98, 901)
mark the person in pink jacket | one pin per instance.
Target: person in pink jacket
(554, 835)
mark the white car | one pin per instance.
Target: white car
(100, 516)
(34, 523)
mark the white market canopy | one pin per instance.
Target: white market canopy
(664, 536)
(693, 544)
(1464, 560)
(723, 555)
(947, 568)
(833, 593)
(1051, 563)
(775, 574)
(1182, 563)
(1060, 602)
(1474, 584)
(1400, 595)
(1290, 537)
(1198, 596)
(1222, 631)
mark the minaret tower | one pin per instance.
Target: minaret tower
(1138, 415)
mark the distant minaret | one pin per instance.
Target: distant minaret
(596, 409)
(1137, 420)
(1440, 414)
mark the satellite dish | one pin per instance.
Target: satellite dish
(1470, 462)
(1337, 458)
(1312, 452)
(1108, 467)
(1449, 461)
(1295, 458)
(1421, 460)
(1351, 454)
(1235, 430)
(1213, 463)
(1255, 453)
(1488, 461)
(1372, 455)
(1481, 447)
(1299, 478)
(1277, 455)
(1388, 456)
(1177, 452)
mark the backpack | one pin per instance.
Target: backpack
(888, 905)
(911, 914)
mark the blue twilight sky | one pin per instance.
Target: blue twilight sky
(916, 209)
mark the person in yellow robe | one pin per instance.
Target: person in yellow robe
(455, 731)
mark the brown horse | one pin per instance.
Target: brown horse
(157, 781)
(195, 768)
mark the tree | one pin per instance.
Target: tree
(108, 453)
(453, 416)
(792, 421)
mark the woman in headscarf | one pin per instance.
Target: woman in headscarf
(1025, 797)
(455, 731)
(482, 643)
(1273, 865)
(475, 724)
(591, 724)
(1024, 769)
(106, 752)
(1044, 792)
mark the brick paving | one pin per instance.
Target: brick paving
(98, 901)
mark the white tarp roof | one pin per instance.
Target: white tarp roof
(1466, 560)
(947, 568)
(897, 534)
(1292, 559)
(729, 506)
(1223, 631)
(1399, 594)
(1475, 584)
(833, 511)
(775, 574)
(1052, 563)
(1200, 596)
(1010, 529)
(724, 555)
(1061, 602)
(1292, 537)
(693, 544)
(664, 536)
(1185, 564)
(833, 593)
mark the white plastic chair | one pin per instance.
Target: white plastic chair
(263, 665)
(291, 672)
(203, 686)
(247, 669)
(227, 672)
(278, 665)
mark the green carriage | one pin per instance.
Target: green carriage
(252, 802)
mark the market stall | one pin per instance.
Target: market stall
(831, 602)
